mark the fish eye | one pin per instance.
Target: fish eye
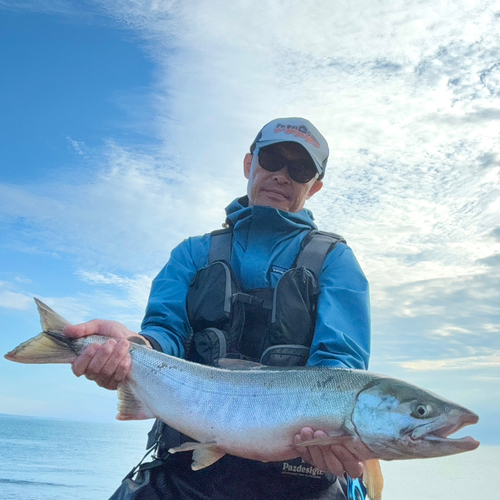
(421, 411)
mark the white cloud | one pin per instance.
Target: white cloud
(14, 300)
(136, 288)
(448, 330)
(128, 216)
(78, 147)
(467, 363)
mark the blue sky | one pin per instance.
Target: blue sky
(124, 125)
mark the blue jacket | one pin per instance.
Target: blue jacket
(266, 242)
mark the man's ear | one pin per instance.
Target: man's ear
(315, 188)
(247, 165)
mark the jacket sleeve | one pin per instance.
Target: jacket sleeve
(166, 323)
(342, 335)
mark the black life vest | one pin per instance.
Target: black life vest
(272, 326)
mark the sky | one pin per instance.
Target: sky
(123, 129)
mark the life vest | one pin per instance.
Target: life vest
(272, 326)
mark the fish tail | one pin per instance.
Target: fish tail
(50, 346)
(50, 320)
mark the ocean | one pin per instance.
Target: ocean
(42, 459)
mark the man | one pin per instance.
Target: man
(267, 231)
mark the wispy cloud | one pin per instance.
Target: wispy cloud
(468, 363)
(127, 215)
(78, 147)
(13, 300)
(136, 289)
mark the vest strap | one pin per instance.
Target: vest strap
(316, 246)
(252, 299)
(221, 245)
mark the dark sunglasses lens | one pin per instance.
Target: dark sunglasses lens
(271, 161)
(301, 172)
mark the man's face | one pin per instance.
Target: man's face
(277, 189)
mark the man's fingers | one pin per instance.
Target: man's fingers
(102, 327)
(319, 453)
(84, 329)
(121, 372)
(81, 363)
(108, 364)
(304, 451)
(335, 458)
(312, 454)
(348, 462)
(100, 358)
(116, 367)
(318, 458)
(333, 464)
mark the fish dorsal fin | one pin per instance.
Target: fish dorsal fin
(239, 364)
(373, 479)
(204, 454)
(50, 320)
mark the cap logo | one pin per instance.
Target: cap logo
(299, 131)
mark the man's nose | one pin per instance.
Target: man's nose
(281, 175)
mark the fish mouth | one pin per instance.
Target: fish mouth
(434, 433)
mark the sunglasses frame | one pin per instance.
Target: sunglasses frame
(289, 164)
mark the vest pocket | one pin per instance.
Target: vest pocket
(285, 355)
(210, 305)
(208, 301)
(207, 347)
(294, 310)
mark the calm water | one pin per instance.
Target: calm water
(59, 460)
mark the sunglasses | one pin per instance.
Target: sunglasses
(301, 170)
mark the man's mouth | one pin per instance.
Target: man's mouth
(276, 192)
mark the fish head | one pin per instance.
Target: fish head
(397, 420)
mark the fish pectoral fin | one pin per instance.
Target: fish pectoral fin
(203, 457)
(130, 407)
(204, 454)
(373, 479)
(340, 438)
(189, 446)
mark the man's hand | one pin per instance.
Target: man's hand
(334, 458)
(108, 364)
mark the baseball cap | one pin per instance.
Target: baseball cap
(297, 130)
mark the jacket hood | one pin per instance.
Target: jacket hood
(238, 211)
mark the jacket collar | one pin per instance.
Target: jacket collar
(238, 211)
